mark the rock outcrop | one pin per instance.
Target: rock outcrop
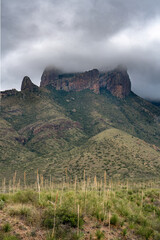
(116, 81)
(50, 77)
(28, 85)
(71, 81)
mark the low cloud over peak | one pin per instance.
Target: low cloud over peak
(79, 35)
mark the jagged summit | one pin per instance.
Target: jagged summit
(28, 85)
(116, 81)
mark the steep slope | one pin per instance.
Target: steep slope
(14, 155)
(98, 112)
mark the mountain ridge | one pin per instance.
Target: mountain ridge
(52, 130)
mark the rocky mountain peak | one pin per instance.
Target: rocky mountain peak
(117, 81)
(28, 85)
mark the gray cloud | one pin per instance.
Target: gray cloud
(80, 35)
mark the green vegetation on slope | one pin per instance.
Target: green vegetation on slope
(53, 130)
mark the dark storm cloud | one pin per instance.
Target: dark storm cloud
(79, 35)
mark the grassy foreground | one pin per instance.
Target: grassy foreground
(80, 210)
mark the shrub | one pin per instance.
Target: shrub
(99, 235)
(9, 237)
(124, 232)
(47, 218)
(25, 212)
(145, 232)
(114, 219)
(3, 197)
(6, 227)
(98, 215)
(63, 216)
(141, 220)
(1, 204)
(22, 211)
(67, 216)
(26, 197)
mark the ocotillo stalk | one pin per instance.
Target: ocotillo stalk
(54, 223)
(50, 182)
(4, 185)
(105, 180)
(142, 200)
(78, 221)
(14, 181)
(25, 180)
(75, 183)
(95, 182)
(38, 185)
(109, 222)
(66, 176)
(84, 179)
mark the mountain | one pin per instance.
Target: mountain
(77, 121)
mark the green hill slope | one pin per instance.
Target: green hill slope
(119, 154)
(53, 130)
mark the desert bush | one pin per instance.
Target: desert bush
(20, 211)
(99, 235)
(114, 219)
(3, 197)
(6, 227)
(66, 216)
(63, 216)
(124, 232)
(10, 237)
(1, 204)
(25, 197)
(146, 232)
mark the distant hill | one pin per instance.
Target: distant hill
(57, 127)
(156, 103)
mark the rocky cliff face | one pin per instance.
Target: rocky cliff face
(71, 81)
(50, 77)
(116, 81)
(28, 85)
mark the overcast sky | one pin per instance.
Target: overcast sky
(77, 35)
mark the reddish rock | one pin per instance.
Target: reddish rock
(71, 81)
(50, 77)
(116, 81)
(28, 85)
(60, 126)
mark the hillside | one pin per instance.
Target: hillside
(51, 130)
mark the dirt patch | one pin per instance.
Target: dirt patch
(21, 229)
